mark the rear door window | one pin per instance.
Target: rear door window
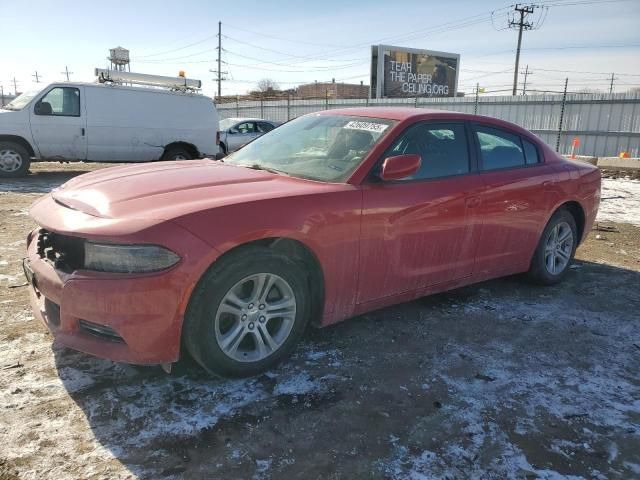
(499, 149)
(530, 152)
(264, 127)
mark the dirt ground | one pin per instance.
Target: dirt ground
(497, 380)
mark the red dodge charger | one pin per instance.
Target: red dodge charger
(330, 215)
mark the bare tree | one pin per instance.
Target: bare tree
(266, 84)
(267, 88)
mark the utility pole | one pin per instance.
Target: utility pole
(611, 85)
(526, 74)
(15, 86)
(219, 73)
(475, 106)
(1, 96)
(66, 72)
(36, 77)
(521, 24)
(219, 59)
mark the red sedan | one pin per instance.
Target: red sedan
(329, 216)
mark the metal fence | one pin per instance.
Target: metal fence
(605, 124)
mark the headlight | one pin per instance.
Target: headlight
(104, 257)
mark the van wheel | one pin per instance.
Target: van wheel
(14, 160)
(247, 313)
(177, 153)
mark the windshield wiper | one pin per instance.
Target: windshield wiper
(257, 166)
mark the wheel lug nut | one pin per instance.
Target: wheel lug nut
(251, 325)
(251, 305)
(262, 319)
(244, 317)
(261, 307)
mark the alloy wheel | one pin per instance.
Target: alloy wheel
(255, 317)
(558, 248)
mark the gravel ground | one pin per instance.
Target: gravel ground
(497, 380)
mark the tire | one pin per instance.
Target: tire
(212, 318)
(14, 160)
(177, 153)
(552, 258)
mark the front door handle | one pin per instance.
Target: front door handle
(547, 185)
(82, 131)
(473, 202)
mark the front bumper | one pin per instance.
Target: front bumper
(144, 312)
(132, 318)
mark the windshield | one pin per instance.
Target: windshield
(227, 123)
(21, 100)
(319, 147)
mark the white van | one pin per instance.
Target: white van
(100, 122)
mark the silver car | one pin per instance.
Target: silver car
(236, 132)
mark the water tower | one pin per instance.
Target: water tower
(119, 58)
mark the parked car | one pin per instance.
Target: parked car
(105, 123)
(329, 216)
(237, 132)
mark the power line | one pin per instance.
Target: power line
(304, 69)
(179, 48)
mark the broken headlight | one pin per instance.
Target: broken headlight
(104, 257)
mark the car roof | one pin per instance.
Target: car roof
(247, 119)
(410, 113)
(394, 113)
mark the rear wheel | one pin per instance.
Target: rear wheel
(14, 160)
(555, 250)
(247, 313)
(177, 153)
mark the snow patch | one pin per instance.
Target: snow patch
(620, 201)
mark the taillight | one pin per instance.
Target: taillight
(217, 138)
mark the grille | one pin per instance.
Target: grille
(65, 253)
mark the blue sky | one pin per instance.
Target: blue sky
(294, 42)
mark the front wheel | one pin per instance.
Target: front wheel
(247, 313)
(14, 160)
(177, 153)
(555, 250)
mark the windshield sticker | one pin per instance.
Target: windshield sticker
(366, 126)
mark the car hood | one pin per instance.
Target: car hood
(167, 190)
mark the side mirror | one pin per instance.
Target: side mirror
(232, 131)
(400, 166)
(42, 108)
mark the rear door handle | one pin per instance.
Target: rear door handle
(473, 202)
(82, 131)
(547, 184)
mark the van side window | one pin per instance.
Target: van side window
(530, 152)
(499, 149)
(442, 148)
(60, 101)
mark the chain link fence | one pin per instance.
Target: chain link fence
(605, 124)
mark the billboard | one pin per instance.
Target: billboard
(409, 72)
